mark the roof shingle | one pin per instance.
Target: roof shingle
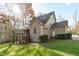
(44, 18)
(59, 24)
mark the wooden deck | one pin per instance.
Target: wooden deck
(22, 36)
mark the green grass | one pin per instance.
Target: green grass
(52, 48)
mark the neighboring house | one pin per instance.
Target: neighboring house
(5, 27)
(46, 24)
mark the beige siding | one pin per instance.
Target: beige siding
(59, 30)
(50, 21)
(36, 35)
(66, 29)
(44, 30)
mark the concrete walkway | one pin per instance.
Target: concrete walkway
(75, 37)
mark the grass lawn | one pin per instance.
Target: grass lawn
(52, 48)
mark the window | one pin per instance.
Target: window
(45, 28)
(7, 20)
(34, 30)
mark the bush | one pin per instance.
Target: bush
(63, 36)
(43, 38)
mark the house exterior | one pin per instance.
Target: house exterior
(59, 28)
(46, 25)
(5, 27)
(21, 24)
(21, 31)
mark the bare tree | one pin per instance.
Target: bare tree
(40, 14)
(75, 17)
(60, 18)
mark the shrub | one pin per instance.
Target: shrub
(63, 36)
(43, 38)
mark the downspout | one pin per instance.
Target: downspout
(41, 30)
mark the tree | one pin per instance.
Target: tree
(26, 10)
(60, 18)
(27, 14)
(40, 14)
(75, 18)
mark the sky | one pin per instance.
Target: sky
(61, 9)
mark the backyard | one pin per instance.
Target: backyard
(51, 48)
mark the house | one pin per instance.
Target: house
(22, 36)
(59, 28)
(21, 31)
(46, 24)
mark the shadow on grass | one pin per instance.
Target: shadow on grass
(55, 48)
(38, 51)
(2, 46)
(62, 49)
(28, 49)
(5, 51)
(45, 51)
(20, 51)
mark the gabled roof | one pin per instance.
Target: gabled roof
(44, 18)
(60, 24)
(34, 18)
